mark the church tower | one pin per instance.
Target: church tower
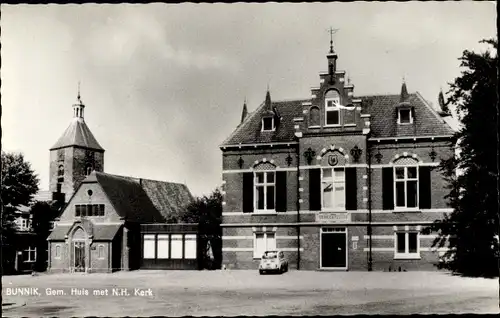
(74, 156)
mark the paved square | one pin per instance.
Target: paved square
(210, 293)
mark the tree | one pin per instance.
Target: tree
(42, 216)
(471, 230)
(207, 212)
(19, 185)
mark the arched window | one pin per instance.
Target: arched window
(349, 115)
(60, 171)
(265, 190)
(406, 183)
(88, 169)
(332, 112)
(314, 117)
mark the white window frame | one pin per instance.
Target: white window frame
(333, 182)
(399, 116)
(406, 254)
(148, 238)
(331, 109)
(405, 181)
(265, 234)
(175, 248)
(272, 123)
(100, 255)
(29, 250)
(192, 248)
(265, 185)
(57, 251)
(165, 253)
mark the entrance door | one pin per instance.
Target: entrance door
(79, 248)
(333, 248)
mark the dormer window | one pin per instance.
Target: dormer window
(268, 124)
(405, 116)
(332, 112)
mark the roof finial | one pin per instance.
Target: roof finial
(78, 96)
(332, 32)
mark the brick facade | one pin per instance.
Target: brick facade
(373, 147)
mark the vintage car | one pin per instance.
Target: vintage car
(273, 261)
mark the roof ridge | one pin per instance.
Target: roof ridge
(291, 100)
(139, 178)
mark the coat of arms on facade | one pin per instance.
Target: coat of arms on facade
(333, 160)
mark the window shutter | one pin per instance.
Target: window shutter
(314, 189)
(281, 192)
(248, 192)
(387, 189)
(351, 189)
(424, 184)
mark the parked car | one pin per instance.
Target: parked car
(273, 261)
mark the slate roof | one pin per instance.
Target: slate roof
(383, 121)
(77, 134)
(100, 232)
(59, 233)
(142, 200)
(250, 130)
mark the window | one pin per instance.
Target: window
(60, 171)
(176, 241)
(100, 251)
(190, 246)
(406, 187)
(149, 246)
(349, 115)
(333, 188)
(22, 224)
(88, 170)
(59, 186)
(162, 246)
(332, 98)
(263, 242)
(404, 116)
(29, 255)
(314, 117)
(57, 251)
(89, 210)
(267, 123)
(264, 190)
(407, 245)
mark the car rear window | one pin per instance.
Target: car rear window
(270, 255)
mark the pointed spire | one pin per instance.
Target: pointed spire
(404, 92)
(268, 99)
(244, 113)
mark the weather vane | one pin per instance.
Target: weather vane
(332, 31)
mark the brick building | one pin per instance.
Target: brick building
(336, 181)
(99, 229)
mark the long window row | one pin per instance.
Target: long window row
(335, 189)
(169, 246)
(89, 210)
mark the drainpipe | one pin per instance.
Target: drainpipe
(369, 156)
(298, 135)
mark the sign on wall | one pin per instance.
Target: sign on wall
(333, 217)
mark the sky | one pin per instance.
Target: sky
(164, 84)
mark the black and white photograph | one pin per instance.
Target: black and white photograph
(249, 159)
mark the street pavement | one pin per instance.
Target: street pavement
(242, 292)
